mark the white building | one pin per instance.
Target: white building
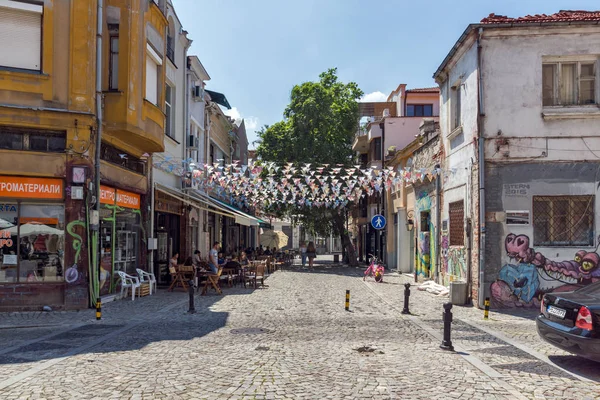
(520, 102)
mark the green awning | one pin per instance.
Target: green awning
(218, 98)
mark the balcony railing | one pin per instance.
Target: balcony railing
(122, 159)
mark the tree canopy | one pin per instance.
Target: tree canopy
(319, 126)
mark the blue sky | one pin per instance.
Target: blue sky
(256, 50)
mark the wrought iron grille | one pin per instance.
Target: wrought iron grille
(563, 220)
(457, 222)
(121, 158)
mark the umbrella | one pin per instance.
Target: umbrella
(276, 239)
(4, 224)
(35, 228)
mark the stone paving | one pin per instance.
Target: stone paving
(291, 339)
(507, 342)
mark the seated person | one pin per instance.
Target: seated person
(221, 259)
(267, 252)
(188, 262)
(243, 259)
(197, 258)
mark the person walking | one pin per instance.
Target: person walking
(213, 258)
(303, 253)
(311, 253)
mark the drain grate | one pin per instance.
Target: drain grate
(249, 331)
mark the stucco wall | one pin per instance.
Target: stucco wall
(516, 280)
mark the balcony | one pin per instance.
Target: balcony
(361, 144)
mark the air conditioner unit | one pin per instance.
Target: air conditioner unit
(193, 141)
(198, 92)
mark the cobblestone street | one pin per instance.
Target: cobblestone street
(291, 339)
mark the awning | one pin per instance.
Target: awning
(241, 217)
(218, 98)
(192, 201)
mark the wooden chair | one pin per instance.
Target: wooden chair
(213, 280)
(257, 274)
(177, 279)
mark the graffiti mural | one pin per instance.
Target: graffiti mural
(426, 238)
(445, 244)
(72, 274)
(532, 274)
(457, 263)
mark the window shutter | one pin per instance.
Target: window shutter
(151, 81)
(20, 38)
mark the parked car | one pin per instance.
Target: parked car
(571, 321)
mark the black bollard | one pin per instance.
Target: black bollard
(98, 309)
(192, 310)
(406, 296)
(447, 317)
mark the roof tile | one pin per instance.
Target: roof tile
(561, 16)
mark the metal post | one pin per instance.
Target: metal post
(192, 309)
(98, 309)
(486, 312)
(406, 296)
(447, 317)
(347, 300)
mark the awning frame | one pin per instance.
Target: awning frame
(179, 196)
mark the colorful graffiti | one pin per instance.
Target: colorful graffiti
(425, 265)
(445, 245)
(523, 283)
(72, 274)
(457, 263)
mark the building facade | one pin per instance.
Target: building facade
(522, 134)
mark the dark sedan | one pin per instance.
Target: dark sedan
(571, 321)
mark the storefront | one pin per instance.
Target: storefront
(122, 236)
(168, 212)
(32, 242)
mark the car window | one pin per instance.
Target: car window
(594, 288)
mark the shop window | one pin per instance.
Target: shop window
(457, 222)
(32, 243)
(563, 221)
(9, 218)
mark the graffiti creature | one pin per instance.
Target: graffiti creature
(519, 285)
(585, 266)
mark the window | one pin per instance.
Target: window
(212, 154)
(455, 103)
(21, 35)
(32, 139)
(168, 110)
(419, 110)
(119, 157)
(569, 83)
(153, 62)
(113, 62)
(34, 252)
(457, 222)
(376, 149)
(563, 221)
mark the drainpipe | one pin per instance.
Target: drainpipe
(438, 224)
(480, 115)
(381, 243)
(99, 26)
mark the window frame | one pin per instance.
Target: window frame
(25, 134)
(35, 7)
(169, 131)
(112, 85)
(456, 106)
(422, 106)
(557, 62)
(154, 57)
(570, 229)
(456, 238)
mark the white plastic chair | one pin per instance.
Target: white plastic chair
(151, 279)
(129, 281)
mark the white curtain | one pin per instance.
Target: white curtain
(567, 87)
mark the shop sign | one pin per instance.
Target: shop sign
(31, 188)
(5, 239)
(122, 198)
(107, 195)
(128, 199)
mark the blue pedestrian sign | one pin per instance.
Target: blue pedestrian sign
(378, 221)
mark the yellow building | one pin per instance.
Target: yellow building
(48, 128)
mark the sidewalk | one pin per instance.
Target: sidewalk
(507, 343)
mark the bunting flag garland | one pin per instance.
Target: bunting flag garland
(306, 184)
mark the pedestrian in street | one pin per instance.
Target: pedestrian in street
(311, 253)
(213, 258)
(303, 253)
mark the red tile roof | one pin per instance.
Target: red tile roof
(561, 16)
(424, 90)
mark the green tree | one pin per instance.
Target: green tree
(318, 127)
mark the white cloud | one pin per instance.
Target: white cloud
(251, 122)
(373, 97)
